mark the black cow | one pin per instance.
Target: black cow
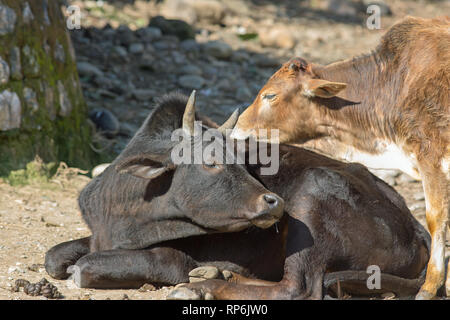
(153, 221)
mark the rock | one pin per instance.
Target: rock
(191, 82)
(149, 34)
(4, 71)
(178, 28)
(218, 49)
(417, 206)
(30, 99)
(87, 69)
(146, 62)
(31, 65)
(192, 11)
(27, 14)
(7, 20)
(166, 43)
(147, 287)
(277, 37)
(404, 178)
(64, 101)
(50, 101)
(240, 56)
(99, 169)
(210, 11)
(179, 9)
(190, 69)
(205, 272)
(244, 94)
(179, 58)
(119, 54)
(16, 67)
(143, 94)
(105, 121)
(128, 129)
(388, 295)
(124, 36)
(189, 45)
(419, 196)
(224, 85)
(136, 48)
(10, 110)
(387, 176)
(209, 296)
(263, 61)
(45, 11)
(343, 7)
(60, 54)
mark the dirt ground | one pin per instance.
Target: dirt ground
(34, 218)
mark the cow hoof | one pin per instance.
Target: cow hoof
(227, 274)
(183, 293)
(75, 274)
(203, 273)
(424, 295)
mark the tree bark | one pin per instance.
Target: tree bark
(42, 110)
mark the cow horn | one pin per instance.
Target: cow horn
(189, 115)
(230, 123)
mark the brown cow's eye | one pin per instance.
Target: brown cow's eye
(269, 96)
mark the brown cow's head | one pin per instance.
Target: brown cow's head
(288, 102)
(209, 195)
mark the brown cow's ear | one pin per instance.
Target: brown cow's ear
(143, 168)
(323, 88)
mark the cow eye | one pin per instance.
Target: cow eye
(269, 96)
(211, 165)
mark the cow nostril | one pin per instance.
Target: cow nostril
(271, 200)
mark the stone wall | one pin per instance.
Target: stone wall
(42, 110)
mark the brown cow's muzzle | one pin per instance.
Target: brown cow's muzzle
(270, 210)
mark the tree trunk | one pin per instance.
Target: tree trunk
(42, 110)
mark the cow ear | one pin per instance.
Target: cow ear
(323, 88)
(143, 168)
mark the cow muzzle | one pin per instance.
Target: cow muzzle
(271, 209)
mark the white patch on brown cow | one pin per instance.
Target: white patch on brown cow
(445, 164)
(388, 156)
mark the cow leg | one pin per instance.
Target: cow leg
(234, 277)
(59, 257)
(115, 269)
(223, 290)
(297, 283)
(437, 210)
(211, 272)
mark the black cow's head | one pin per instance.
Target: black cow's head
(212, 196)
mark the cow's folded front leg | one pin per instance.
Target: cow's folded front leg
(59, 257)
(211, 272)
(131, 268)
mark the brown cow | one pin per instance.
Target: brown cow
(386, 109)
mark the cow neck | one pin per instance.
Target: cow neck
(361, 114)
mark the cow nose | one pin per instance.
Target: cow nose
(274, 204)
(271, 200)
(271, 210)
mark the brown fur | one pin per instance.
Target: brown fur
(399, 94)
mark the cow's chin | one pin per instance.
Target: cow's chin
(235, 227)
(264, 223)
